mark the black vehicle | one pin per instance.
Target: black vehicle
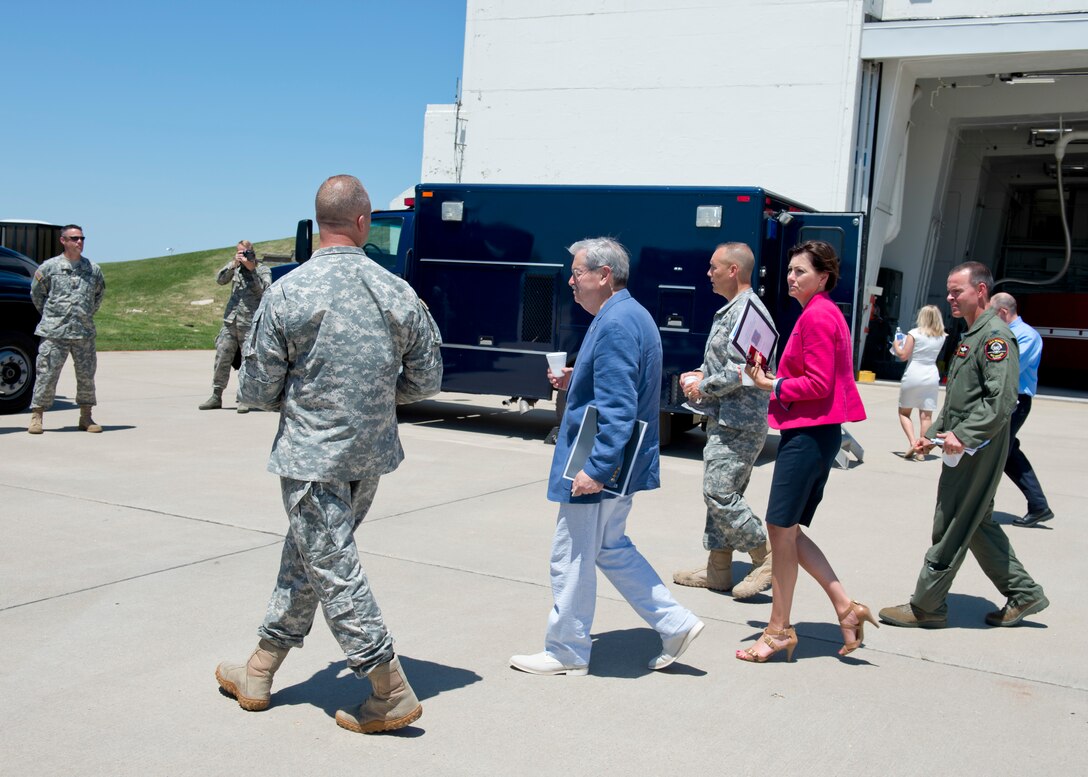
(18, 319)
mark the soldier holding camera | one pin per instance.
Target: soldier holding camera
(249, 279)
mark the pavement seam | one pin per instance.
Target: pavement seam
(368, 520)
(137, 577)
(143, 509)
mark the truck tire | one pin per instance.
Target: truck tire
(17, 371)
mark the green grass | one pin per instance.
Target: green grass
(148, 304)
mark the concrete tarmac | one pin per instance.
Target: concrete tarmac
(135, 560)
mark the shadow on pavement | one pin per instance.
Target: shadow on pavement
(627, 652)
(815, 639)
(1006, 519)
(336, 687)
(466, 417)
(969, 612)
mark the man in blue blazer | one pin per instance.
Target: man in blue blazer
(619, 372)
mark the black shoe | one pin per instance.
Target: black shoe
(1011, 614)
(1034, 517)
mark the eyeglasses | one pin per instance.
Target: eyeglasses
(73, 238)
(578, 272)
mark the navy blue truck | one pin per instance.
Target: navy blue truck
(491, 262)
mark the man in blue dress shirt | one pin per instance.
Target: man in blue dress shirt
(1017, 466)
(618, 371)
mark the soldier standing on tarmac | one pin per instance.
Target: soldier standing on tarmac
(67, 290)
(735, 432)
(248, 279)
(336, 345)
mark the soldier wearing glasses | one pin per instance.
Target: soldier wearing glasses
(67, 290)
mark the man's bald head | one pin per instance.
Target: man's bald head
(1004, 305)
(340, 202)
(740, 255)
(1004, 301)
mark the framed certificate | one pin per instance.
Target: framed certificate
(755, 334)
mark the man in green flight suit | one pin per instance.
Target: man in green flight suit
(973, 429)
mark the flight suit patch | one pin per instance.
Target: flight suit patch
(963, 350)
(996, 349)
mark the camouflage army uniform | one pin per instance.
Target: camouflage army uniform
(67, 295)
(247, 287)
(336, 345)
(734, 439)
(983, 380)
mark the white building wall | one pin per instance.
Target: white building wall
(750, 92)
(439, 144)
(680, 92)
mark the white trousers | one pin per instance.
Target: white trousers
(594, 535)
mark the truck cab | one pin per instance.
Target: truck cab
(390, 240)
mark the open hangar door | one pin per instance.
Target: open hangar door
(982, 185)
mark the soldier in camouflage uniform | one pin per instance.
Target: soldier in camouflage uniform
(67, 290)
(336, 345)
(983, 380)
(735, 432)
(248, 279)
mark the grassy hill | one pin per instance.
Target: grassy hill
(149, 302)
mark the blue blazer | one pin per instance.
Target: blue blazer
(618, 370)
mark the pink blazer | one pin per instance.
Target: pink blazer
(817, 369)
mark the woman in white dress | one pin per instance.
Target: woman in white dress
(918, 388)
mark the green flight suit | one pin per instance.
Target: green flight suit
(983, 381)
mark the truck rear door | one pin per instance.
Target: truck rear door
(845, 233)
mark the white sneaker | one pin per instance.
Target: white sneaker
(674, 647)
(543, 663)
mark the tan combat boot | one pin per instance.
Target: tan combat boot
(391, 705)
(759, 578)
(717, 575)
(35, 420)
(251, 683)
(86, 423)
(214, 402)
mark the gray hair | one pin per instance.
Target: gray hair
(605, 252)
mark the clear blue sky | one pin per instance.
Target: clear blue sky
(193, 125)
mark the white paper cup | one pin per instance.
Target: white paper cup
(690, 379)
(951, 459)
(745, 378)
(557, 360)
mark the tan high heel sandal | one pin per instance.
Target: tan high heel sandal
(769, 637)
(864, 614)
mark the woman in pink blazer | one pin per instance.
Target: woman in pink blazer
(812, 395)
